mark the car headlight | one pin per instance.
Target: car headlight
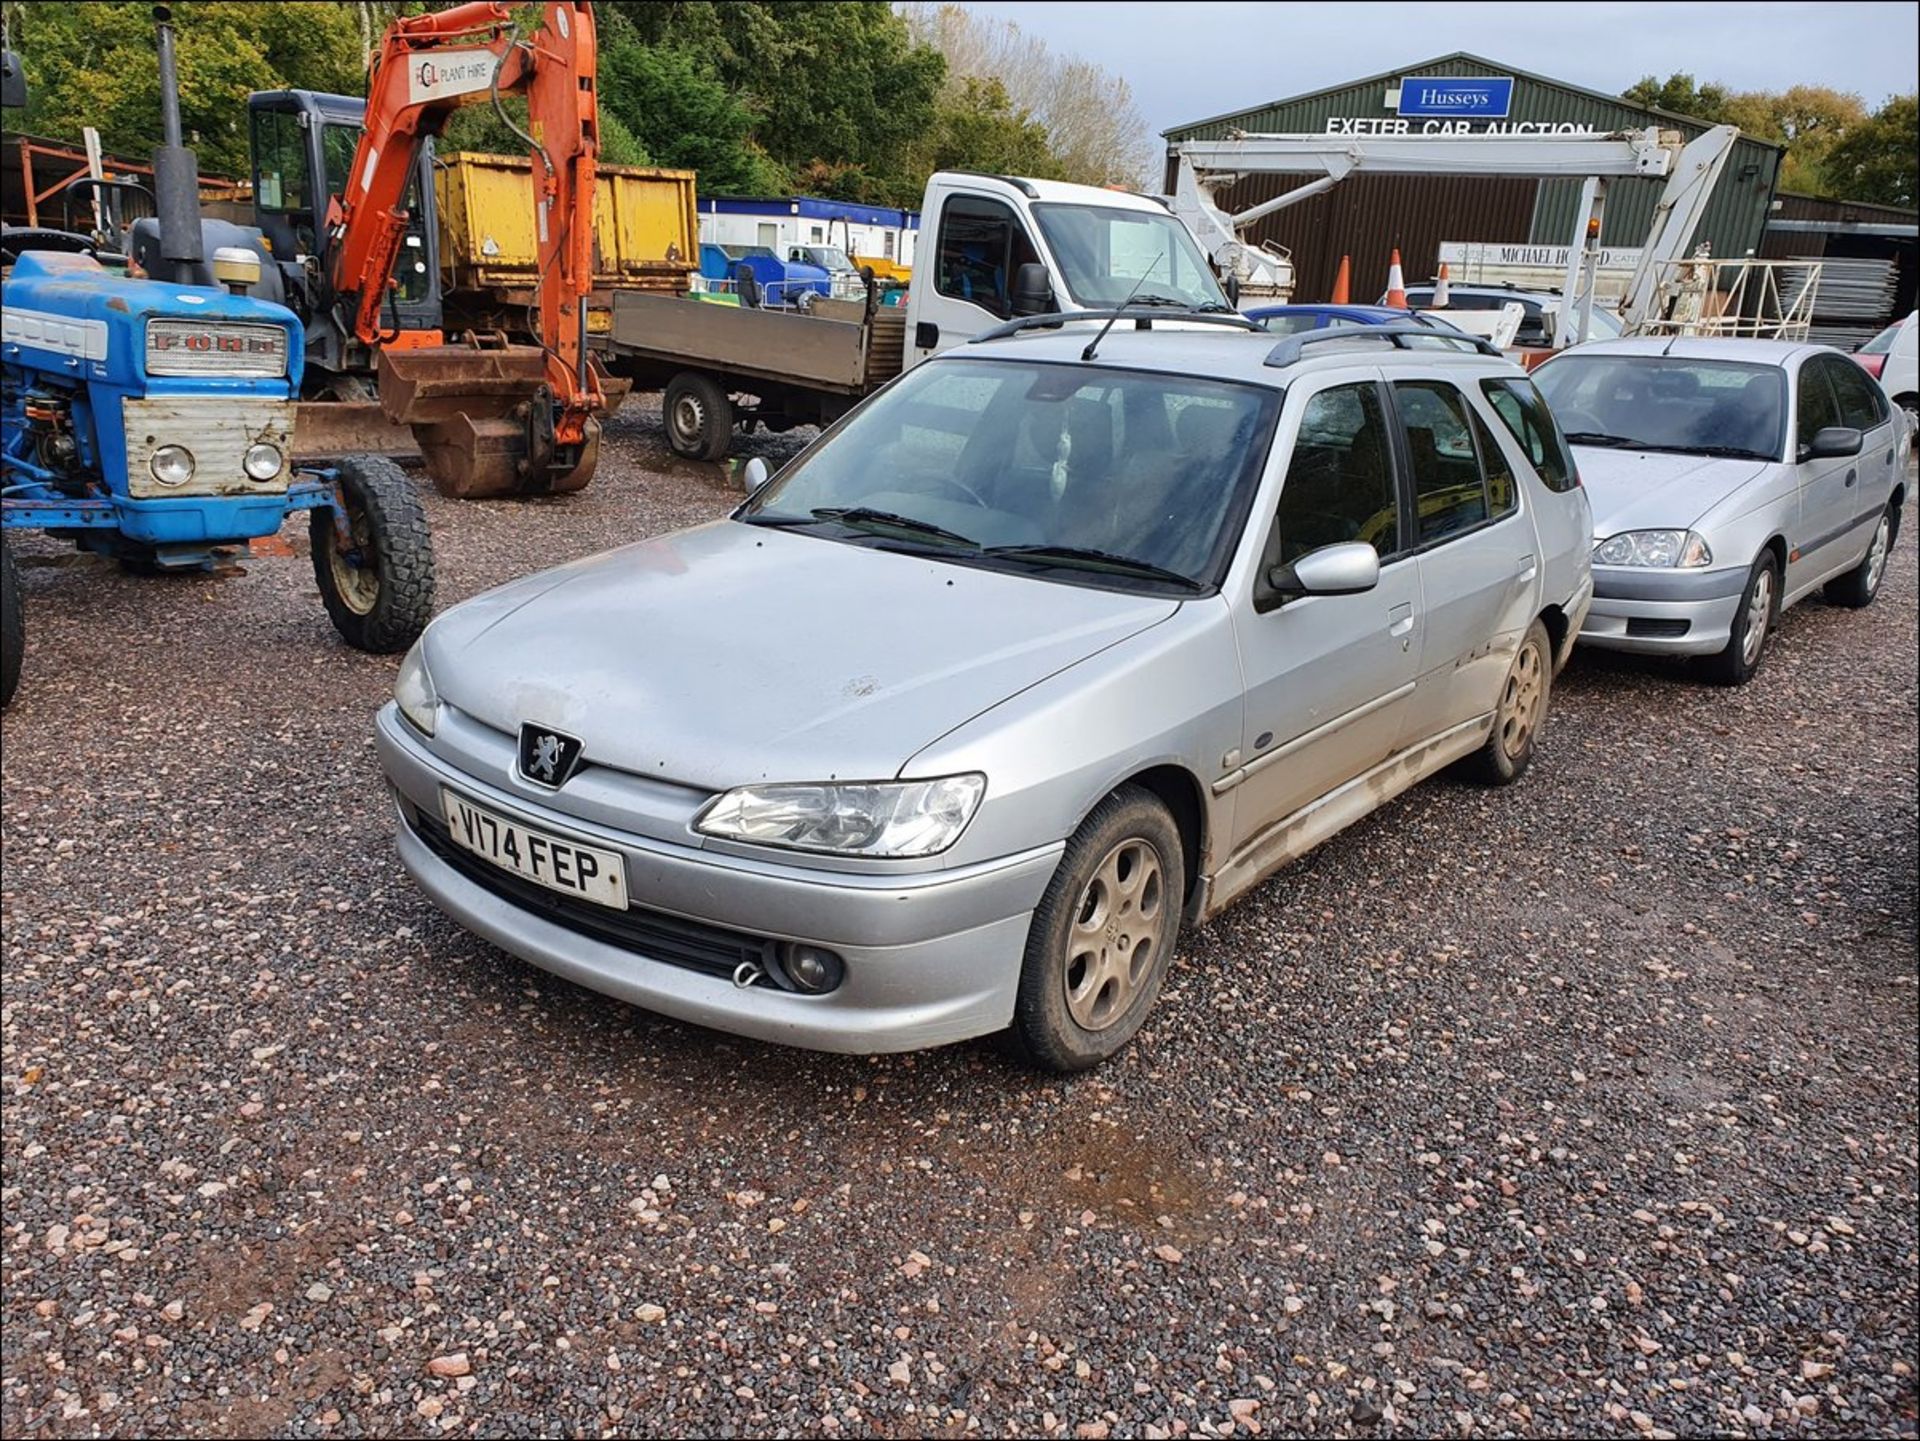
(413, 692)
(171, 464)
(1668, 549)
(262, 461)
(884, 818)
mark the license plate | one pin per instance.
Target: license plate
(545, 859)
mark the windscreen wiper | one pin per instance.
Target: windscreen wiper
(1721, 452)
(1086, 558)
(866, 518)
(1594, 437)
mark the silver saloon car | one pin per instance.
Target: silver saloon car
(1033, 658)
(1729, 480)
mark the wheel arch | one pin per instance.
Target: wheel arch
(1180, 791)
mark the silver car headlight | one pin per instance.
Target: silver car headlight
(1667, 549)
(893, 819)
(413, 692)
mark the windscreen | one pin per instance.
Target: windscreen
(1675, 403)
(1108, 253)
(1107, 476)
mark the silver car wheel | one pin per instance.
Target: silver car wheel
(1759, 614)
(1520, 702)
(1877, 556)
(1117, 929)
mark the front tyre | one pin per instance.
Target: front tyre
(1102, 935)
(1752, 623)
(13, 626)
(373, 556)
(1519, 715)
(1857, 588)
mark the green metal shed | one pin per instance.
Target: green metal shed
(1366, 215)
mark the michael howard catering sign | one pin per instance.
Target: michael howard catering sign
(1484, 97)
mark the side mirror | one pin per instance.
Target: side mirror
(1345, 569)
(1233, 291)
(1032, 291)
(1832, 442)
(754, 474)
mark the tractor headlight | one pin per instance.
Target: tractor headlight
(889, 819)
(172, 464)
(413, 692)
(263, 461)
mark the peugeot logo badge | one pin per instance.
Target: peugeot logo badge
(547, 757)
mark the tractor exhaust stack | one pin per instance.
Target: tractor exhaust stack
(176, 170)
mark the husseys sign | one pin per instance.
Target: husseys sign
(1451, 105)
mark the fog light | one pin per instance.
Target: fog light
(172, 465)
(812, 971)
(263, 461)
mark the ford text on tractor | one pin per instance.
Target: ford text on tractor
(151, 420)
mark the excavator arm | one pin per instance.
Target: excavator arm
(491, 418)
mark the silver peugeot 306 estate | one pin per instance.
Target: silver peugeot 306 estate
(1048, 649)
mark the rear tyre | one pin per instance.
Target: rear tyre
(1520, 714)
(1752, 624)
(1857, 588)
(699, 417)
(376, 581)
(13, 626)
(1102, 935)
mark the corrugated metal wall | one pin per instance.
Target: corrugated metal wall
(1432, 209)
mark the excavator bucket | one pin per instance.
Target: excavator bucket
(328, 429)
(483, 417)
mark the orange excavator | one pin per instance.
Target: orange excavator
(491, 418)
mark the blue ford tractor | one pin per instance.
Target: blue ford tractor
(152, 420)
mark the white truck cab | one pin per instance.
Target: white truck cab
(1094, 248)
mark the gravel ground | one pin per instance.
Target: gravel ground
(1584, 1107)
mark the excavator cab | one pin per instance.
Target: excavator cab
(303, 147)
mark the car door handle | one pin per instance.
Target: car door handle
(1852, 476)
(1400, 620)
(926, 335)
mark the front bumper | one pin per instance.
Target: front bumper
(1662, 612)
(931, 957)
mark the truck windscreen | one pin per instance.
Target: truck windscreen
(1105, 252)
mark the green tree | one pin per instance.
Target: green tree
(1877, 160)
(978, 128)
(1681, 95)
(94, 65)
(683, 116)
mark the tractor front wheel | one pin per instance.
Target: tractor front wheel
(373, 556)
(13, 628)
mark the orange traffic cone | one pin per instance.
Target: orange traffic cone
(1441, 293)
(1396, 283)
(1342, 283)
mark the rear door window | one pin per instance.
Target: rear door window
(1449, 492)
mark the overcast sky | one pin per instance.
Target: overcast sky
(1187, 61)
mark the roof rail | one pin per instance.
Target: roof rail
(1291, 349)
(1138, 312)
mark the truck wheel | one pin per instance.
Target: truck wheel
(377, 580)
(699, 417)
(13, 628)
